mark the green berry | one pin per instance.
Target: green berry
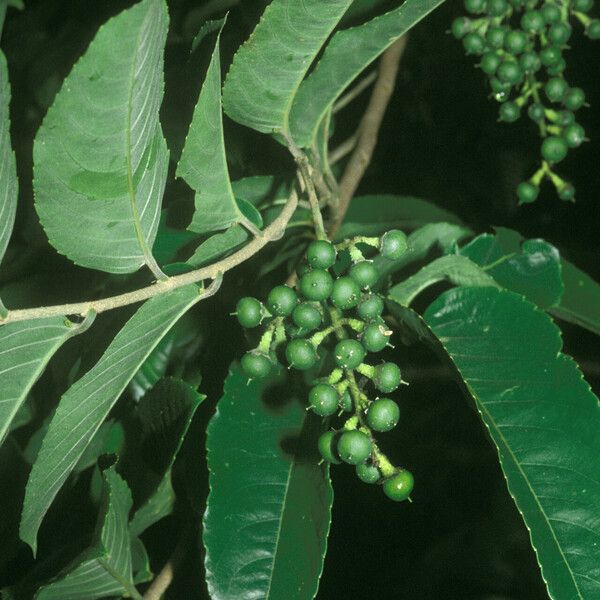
(345, 293)
(307, 316)
(554, 149)
(550, 55)
(527, 192)
(559, 33)
(387, 377)
(533, 21)
(515, 41)
(495, 36)
(510, 72)
(399, 486)
(574, 98)
(473, 43)
(282, 300)
(316, 285)
(460, 27)
(383, 415)
(256, 365)
(557, 68)
(583, 5)
(302, 268)
(249, 312)
(393, 244)
(327, 447)
(574, 135)
(370, 308)
(348, 354)
(354, 447)
(496, 8)
(555, 89)
(550, 12)
(530, 62)
(321, 254)
(593, 29)
(475, 6)
(323, 399)
(375, 337)
(536, 112)
(368, 473)
(510, 112)
(490, 62)
(301, 354)
(566, 192)
(364, 273)
(500, 89)
(565, 117)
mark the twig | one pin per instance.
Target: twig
(356, 91)
(343, 149)
(271, 233)
(368, 129)
(161, 583)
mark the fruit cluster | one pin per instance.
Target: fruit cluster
(328, 324)
(521, 44)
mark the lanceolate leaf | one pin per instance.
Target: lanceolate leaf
(100, 156)
(25, 349)
(8, 169)
(543, 419)
(86, 404)
(269, 507)
(268, 69)
(105, 568)
(158, 506)
(217, 245)
(203, 163)
(348, 53)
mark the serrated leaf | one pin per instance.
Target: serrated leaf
(217, 245)
(543, 419)
(529, 267)
(268, 69)
(105, 568)
(203, 163)
(9, 186)
(159, 505)
(264, 504)
(25, 349)
(85, 405)
(169, 241)
(100, 159)
(349, 52)
(140, 562)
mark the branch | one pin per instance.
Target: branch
(368, 128)
(271, 233)
(161, 582)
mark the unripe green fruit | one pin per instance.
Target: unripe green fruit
(348, 354)
(383, 415)
(316, 285)
(495, 36)
(554, 149)
(282, 300)
(530, 62)
(550, 12)
(557, 68)
(583, 5)
(307, 317)
(527, 192)
(327, 445)
(574, 135)
(364, 273)
(501, 90)
(303, 268)
(567, 192)
(399, 486)
(555, 89)
(515, 41)
(301, 354)
(510, 112)
(323, 399)
(375, 337)
(249, 312)
(510, 72)
(490, 62)
(368, 473)
(550, 55)
(565, 117)
(393, 244)
(354, 447)
(536, 112)
(473, 43)
(370, 308)
(460, 27)
(532, 20)
(559, 33)
(496, 8)
(345, 293)
(321, 254)
(574, 98)
(593, 30)
(475, 6)
(256, 365)
(387, 377)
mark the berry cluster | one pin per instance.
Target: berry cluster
(521, 45)
(328, 324)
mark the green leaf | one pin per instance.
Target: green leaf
(373, 215)
(580, 303)
(170, 241)
(25, 349)
(100, 157)
(9, 186)
(218, 245)
(159, 505)
(543, 419)
(109, 439)
(348, 53)
(456, 269)
(530, 267)
(85, 405)
(268, 69)
(268, 513)
(105, 568)
(140, 562)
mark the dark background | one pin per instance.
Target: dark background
(461, 538)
